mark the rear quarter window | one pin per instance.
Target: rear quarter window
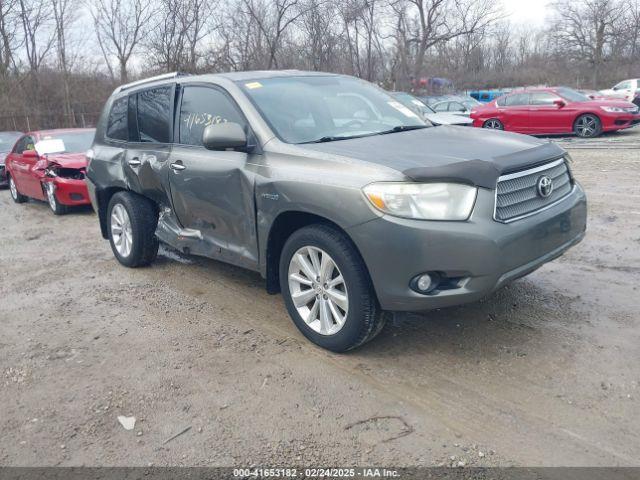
(154, 115)
(117, 128)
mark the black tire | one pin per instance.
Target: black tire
(56, 207)
(587, 126)
(15, 194)
(143, 217)
(493, 124)
(364, 319)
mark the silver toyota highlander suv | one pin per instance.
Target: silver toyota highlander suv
(341, 197)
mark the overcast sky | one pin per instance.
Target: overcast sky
(527, 11)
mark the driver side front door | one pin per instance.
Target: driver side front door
(213, 191)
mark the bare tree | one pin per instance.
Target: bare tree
(8, 34)
(273, 18)
(63, 14)
(586, 30)
(176, 38)
(119, 29)
(35, 19)
(439, 21)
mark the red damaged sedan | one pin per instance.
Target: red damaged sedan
(50, 165)
(561, 110)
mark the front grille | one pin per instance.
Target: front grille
(517, 193)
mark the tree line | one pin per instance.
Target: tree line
(61, 58)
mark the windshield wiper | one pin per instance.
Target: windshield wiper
(402, 128)
(335, 138)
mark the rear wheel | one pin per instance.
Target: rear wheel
(56, 207)
(132, 221)
(587, 126)
(327, 290)
(493, 124)
(15, 194)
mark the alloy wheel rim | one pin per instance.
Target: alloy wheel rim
(51, 196)
(318, 290)
(121, 231)
(13, 188)
(494, 125)
(586, 126)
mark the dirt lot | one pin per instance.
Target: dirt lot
(544, 372)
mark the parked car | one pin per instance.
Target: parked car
(7, 140)
(559, 110)
(454, 104)
(485, 96)
(50, 165)
(340, 197)
(625, 89)
(428, 114)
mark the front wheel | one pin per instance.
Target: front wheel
(15, 194)
(327, 290)
(587, 126)
(56, 207)
(493, 124)
(132, 221)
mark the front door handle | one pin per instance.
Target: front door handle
(134, 162)
(177, 167)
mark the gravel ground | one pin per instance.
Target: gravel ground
(544, 372)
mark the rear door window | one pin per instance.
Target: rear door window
(154, 114)
(441, 107)
(117, 124)
(201, 107)
(543, 98)
(517, 99)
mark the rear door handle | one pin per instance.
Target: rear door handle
(134, 162)
(177, 167)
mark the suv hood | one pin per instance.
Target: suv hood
(470, 155)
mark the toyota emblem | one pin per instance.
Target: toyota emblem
(544, 186)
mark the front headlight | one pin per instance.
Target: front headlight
(423, 201)
(613, 109)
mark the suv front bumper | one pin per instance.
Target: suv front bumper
(479, 255)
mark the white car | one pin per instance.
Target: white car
(625, 89)
(426, 112)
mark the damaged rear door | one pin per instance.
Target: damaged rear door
(212, 191)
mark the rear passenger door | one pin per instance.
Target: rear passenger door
(213, 191)
(150, 121)
(514, 112)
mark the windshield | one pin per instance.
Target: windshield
(8, 140)
(68, 142)
(572, 95)
(326, 108)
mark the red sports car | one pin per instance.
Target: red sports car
(50, 165)
(561, 110)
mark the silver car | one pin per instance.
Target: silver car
(341, 197)
(429, 114)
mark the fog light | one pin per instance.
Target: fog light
(425, 282)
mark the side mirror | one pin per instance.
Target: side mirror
(559, 103)
(30, 154)
(220, 136)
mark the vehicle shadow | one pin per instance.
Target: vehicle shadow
(510, 321)
(507, 321)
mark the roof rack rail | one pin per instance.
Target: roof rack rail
(164, 76)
